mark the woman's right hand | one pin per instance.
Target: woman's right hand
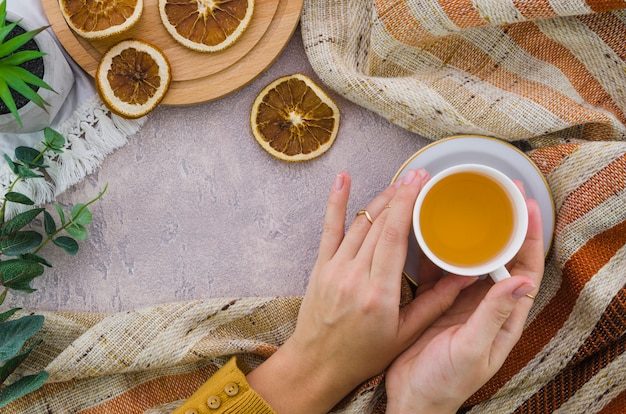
(468, 344)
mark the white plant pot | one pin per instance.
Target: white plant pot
(57, 73)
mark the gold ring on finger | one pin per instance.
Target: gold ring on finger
(367, 215)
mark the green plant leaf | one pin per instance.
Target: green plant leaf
(20, 242)
(16, 42)
(49, 224)
(6, 28)
(23, 56)
(18, 198)
(20, 75)
(21, 220)
(77, 231)
(19, 78)
(14, 333)
(10, 163)
(18, 273)
(30, 157)
(36, 258)
(6, 315)
(25, 172)
(25, 288)
(67, 243)
(21, 387)
(81, 214)
(61, 213)
(4, 34)
(53, 140)
(11, 364)
(7, 98)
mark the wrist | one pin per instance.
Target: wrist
(415, 404)
(290, 382)
(419, 409)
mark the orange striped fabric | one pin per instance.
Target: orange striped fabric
(406, 30)
(547, 159)
(161, 390)
(617, 405)
(605, 184)
(535, 9)
(527, 36)
(606, 5)
(551, 76)
(463, 13)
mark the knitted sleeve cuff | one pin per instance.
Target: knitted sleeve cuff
(227, 391)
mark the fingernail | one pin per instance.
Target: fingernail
(338, 183)
(423, 175)
(407, 179)
(522, 291)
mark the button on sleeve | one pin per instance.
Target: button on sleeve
(214, 402)
(231, 389)
(226, 391)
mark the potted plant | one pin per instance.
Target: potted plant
(35, 77)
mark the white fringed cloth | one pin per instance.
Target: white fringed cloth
(90, 129)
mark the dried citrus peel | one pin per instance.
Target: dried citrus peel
(132, 78)
(206, 25)
(293, 119)
(101, 19)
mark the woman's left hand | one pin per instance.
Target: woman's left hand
(350, 326)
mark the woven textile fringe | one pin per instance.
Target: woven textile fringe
(92, 132)
(548, 75)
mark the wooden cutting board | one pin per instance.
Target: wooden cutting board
(196, 77)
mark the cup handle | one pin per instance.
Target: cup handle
(499, 274)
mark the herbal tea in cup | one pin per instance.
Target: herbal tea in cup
(471, 220)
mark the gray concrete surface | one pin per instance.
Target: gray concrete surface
(195, 208)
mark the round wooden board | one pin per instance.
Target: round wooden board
(196, 77)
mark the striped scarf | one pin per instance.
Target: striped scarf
(547, 74)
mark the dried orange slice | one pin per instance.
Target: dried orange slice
(206, 25)
(293, 119)
(132, 78)
(102, 18)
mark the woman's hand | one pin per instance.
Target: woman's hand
(350, 325)
(468, 344)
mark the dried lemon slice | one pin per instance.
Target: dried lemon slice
(132, 78)
(102, 18)
(293, 119)
(206, 25)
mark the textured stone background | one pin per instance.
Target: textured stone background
(195, 208)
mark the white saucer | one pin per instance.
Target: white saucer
(463, 149)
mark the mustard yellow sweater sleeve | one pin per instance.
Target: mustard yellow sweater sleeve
(227, 391)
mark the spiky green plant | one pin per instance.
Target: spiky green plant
(12, 75)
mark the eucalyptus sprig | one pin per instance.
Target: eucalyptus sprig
(12, 75)
(21, 240)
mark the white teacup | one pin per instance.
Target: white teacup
(471, 220)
